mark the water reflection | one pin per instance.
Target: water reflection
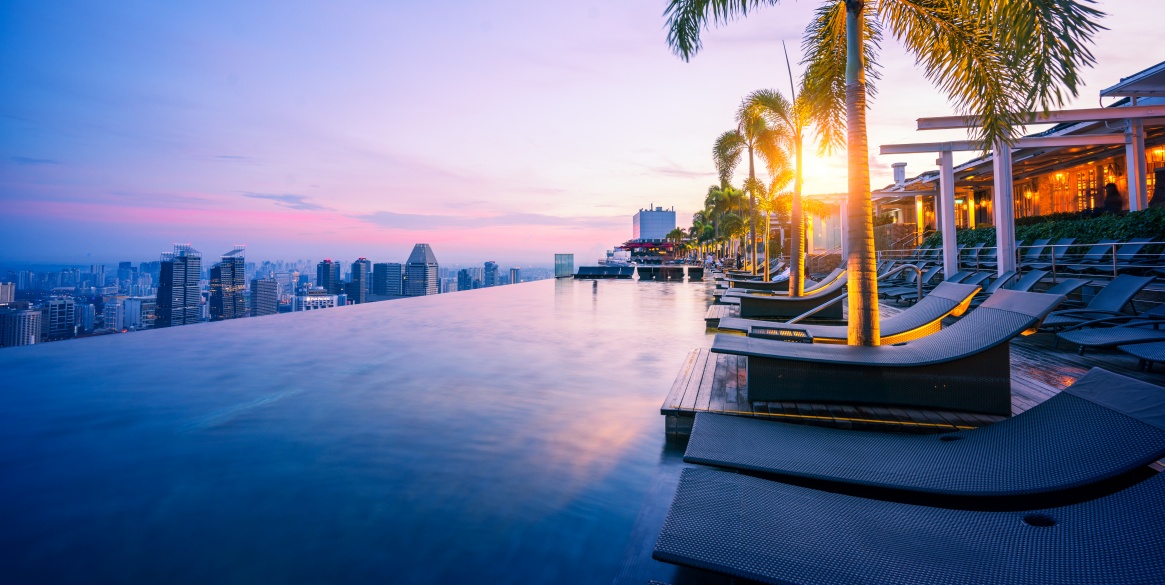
(501, 435)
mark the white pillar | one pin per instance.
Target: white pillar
(1004, 204)
(946, 183)
(1135, 165)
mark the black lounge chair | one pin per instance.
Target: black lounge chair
(779, 286)
(1059, 250)
(1146, 353)
(1024, 284)
(924, 318)
(965, 366)
(1107, 302)
(972, 278)
(1033, 253)
(773, 532)
(1113, 331)
(1042, 450)
(910, 283)
(784, 306)
(1095, 255)
(1067, 286)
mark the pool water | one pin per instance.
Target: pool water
(504, 435)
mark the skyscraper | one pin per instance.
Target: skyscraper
(113, 316)
(358, 287)
(464, 281)
(515, 275)
(19, 327)
(387, 279)
(328, 276)
(421, 272)
(58, 318)
(178, 294)
(228, 285)
(491, 274)
(7, 292)
(264, 297)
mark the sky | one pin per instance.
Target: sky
(490, 129)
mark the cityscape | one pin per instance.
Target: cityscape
(186, 286)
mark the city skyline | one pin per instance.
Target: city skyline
(127, 129)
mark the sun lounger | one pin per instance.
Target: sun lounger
(1067, 286)
(1095, 255)
(924, 318)
(963, 367)
(1113, 331)
(1146, 353)
(1033, 253)
(772, 532)
(781, 306)
(1107, 302)
(1041, 450)
(911, 283)
(1059, 250)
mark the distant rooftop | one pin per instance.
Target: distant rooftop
(422, 254)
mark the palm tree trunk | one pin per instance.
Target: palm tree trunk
(797, 247)
(751, 209)
(768, 261)
(863, 278)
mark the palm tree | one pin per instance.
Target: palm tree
(995, 59)
(754, 137)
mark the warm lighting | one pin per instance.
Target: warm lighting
(1027, 194)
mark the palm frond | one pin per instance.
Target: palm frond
(686, 18)
(726, 154)
(823, 87)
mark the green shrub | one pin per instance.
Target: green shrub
(1149, 223)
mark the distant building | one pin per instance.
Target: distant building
(228, 284)
(328, 276)
(464, 281)
(421, 272)
(315, 299)
(7, 293)
(358, 287)
(58, 319)
(113, 316)
(491, 274)
(86, 315)
(563, 265)
(264, 297)
(139, 313)
(515, 275)
(653, 223)
(19, 327)
(179, 298)
(387, 279)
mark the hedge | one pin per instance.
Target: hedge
(1149, 223)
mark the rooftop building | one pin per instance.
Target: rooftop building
(179, 297)
(421, 272)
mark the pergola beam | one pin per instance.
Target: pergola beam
(1030, 142)
(1051, 117)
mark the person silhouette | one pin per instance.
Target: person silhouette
(1113, 202)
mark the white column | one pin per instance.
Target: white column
(1004, 204)
(1135, 165)
(844, 230)
(946, 183)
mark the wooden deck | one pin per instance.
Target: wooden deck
(717, 312)
(710, 382)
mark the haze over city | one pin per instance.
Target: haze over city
(493, 129)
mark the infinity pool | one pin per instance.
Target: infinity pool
(505, 435)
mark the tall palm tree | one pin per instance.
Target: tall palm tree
(993, 58)
(754, 137)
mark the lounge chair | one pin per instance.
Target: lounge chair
(970, 255)
(924, 318)
(773, 532)
(1002, 281)
(1043, 450)
(781, 286)
(1107, 302)
(909, 283)
(782, 306)
(1059, 250)
(1146, 353)
(1067, 286)
(1110, 332)
(1095, 255)
(1034, 252)
(971, 278)
(965, 366)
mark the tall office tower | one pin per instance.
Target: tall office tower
(7, 292)
(178, 293)
(98, 272)
(124, 275)
(367, 274)
(314, 299)
(58, 318)
(328, 276)
(19, 327)
(114, 316)
(421, 272)
(387, 279)
(228, 286)
(138, 313)
(86, 314)
(264, 297)
(358, 286)
(464, 281)
(491, 274)
(515, 275)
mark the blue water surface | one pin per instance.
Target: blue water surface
(504, 435)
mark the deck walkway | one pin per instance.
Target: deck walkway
(710, 382)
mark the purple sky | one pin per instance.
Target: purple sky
(490, 129)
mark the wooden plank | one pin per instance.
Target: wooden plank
(676, 394)
(719, 381)
(742, 383)
(689, 401)
(704, 388)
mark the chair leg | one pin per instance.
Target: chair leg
(1080, 351)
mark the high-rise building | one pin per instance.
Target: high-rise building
(228, 285)
(421, 272)
(19, 327)
(314, 299)
(139, 313)
(114, 316)
(86, 314)
(358, 286)
(387, 279)
(515, 275)
(491, 274)
(264, 297)
(7, 292)
(464, 281)
(653, 223)
(178, 294)
(58, 318)
(328, 276)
